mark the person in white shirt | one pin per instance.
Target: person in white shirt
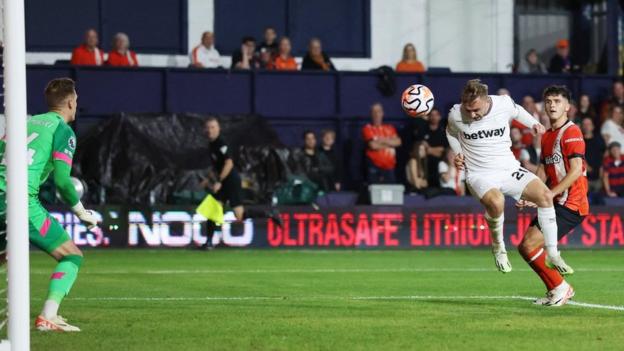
(478, 132)
(612, 129)
(205, 55)
(451, 177)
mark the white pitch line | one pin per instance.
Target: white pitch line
(355, 298)
(316, 270)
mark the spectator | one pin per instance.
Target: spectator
(312, 163)
(613, 171)
(451, 179)
(121, 55)
(88, 53)
(531, 107)
(573, 113)
(560, 63)
(382, 141)
(205, 55)
(270, 43)
(503, 91)
(328, 139)
(246, 57)
(616, 99)
(532, 64)
(409, 62)
(316, 59)
(520, 151)
(594, 151)
(434, 136)
(612, 128)
(585, 108)
(284, 61)
(416, 170)
(266, 59)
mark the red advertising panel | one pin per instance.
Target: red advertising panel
(357, 227)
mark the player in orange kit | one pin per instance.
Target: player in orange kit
(563, 169)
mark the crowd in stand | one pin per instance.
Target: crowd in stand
(270, 54)
(429, 169)
(275, 53)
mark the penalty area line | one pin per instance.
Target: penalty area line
(348, 298)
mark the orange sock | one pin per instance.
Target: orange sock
(537, 260)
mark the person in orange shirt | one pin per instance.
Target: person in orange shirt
(381, 143)
(563, 169)
(121, 55)
(410, 62)
(88, 53)
(284, 61)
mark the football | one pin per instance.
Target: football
(417, 100)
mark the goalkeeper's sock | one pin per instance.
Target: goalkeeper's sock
(61, 282)
(547, 218)
(496, 231)
(537, 260)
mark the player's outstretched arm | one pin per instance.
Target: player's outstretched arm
(521, 115)
(63, 147)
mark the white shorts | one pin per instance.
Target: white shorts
(510, 181)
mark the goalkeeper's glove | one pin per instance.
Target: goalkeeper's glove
(86, 216)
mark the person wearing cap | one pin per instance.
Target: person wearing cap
(613, 171)
(560, 63)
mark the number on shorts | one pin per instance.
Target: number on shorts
(519, 173)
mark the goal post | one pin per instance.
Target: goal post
(14, 59)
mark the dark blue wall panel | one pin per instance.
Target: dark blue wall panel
(110, 91)
(301, 95)
(235, 19)
(153, 26)
(58, 25)
(275, 94)
(358, 91)
(36, 80)
(343, 26)
(522, 85)
(209, 92)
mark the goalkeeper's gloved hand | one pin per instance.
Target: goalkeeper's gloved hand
(86, 216)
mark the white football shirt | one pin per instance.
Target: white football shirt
(486, 144)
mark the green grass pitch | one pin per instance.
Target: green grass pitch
(328, 300)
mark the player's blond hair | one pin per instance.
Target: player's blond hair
(473, 90)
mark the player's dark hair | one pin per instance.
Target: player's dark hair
(554, 90)
(473, 90)
(58, 91)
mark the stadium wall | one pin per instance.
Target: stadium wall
(359, 227)
(447, 33)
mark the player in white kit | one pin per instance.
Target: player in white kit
(478, 132)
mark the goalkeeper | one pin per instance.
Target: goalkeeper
(51, 147)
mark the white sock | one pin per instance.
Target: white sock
(496, 230)
(547, 219)
(50, 309)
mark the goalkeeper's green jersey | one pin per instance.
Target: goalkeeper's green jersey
(51, 147)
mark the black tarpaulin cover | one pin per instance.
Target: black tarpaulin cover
(136, 158)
